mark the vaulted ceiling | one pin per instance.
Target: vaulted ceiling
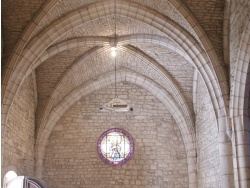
(162, 45)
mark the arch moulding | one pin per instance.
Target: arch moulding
(104, 81)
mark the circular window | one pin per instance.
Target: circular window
(115, 146)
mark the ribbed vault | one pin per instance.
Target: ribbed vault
(170, 28)
(160, 46)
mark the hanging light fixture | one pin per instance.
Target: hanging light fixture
(116, 104)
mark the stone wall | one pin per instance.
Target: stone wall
(159, 160)
(207, 140)
(18, 146)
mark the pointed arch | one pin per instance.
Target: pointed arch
(239, 109)
(26, 57)
(104, 81)
(159, 69)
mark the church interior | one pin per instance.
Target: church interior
(125, 93)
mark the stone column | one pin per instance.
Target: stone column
(241, 151)
(226, 158)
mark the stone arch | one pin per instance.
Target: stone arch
(240, 85)
(102, 82)
(106, 41)
(148, 61)
(33, 50)
(206, 60)
(239, 108)
(33, 24)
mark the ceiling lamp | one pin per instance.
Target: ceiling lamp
(113, 51)
(116, 104)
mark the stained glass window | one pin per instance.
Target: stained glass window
(115, 146)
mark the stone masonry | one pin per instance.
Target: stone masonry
(159, 159)
(18, 151)
(183, 65)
